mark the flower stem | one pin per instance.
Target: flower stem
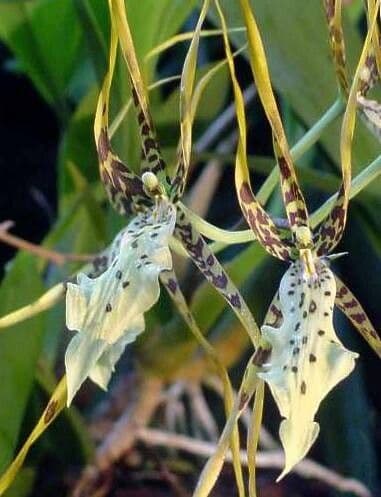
(361, 181)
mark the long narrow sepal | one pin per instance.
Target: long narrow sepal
(55, 406)
(307, 359)
(108, 311)
(292, 196)
(169, 280)
(123, 187)
(333, 9)
(209, 266)
(376, 39)
(260, 222)
(353, 310)
(150, 146)
(332, 228)
(186, 114)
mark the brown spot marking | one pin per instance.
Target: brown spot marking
(118, 275)
(284, 167)
(243, 400)
(349, 305)
(108, 308)
(302, 297)
(145, 129)
(50, 411)
(312, 358)
(343, 291)
(359, 318)
(172, 285)
(294, 369)
(261, 356)
(303, 388)
(321, 333)
(245, 193)
(312, 307)
(125, 284)
(103, 145)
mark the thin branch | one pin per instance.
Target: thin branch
(55, 257)
(269, 459)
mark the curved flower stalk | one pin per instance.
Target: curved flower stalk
(371, 70)
(307, 358)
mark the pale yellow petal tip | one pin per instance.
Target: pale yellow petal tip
(297, 439)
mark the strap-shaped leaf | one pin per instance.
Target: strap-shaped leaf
(332, 228)
(150, 147)
(336, 41)
(351, 307)
(260, 222)
(56, 403)
(292, 196)
(209, 266)
(186, 115)
(124, 188)
(169, 280)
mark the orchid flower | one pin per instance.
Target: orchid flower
(106, 302)
(307, 359)
(108, 311)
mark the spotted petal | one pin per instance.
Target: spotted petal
(124, 189)
(151, 154)
(307, 358)
(108, 311)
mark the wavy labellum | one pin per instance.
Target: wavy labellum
(108, 311)
(307, 358)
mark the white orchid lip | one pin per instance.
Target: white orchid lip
(307, 358)
(108, 311)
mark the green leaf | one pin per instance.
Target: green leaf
(47, 51)
(78, 145)
(20, 347)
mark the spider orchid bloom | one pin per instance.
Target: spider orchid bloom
(306, 359)
(108, 311)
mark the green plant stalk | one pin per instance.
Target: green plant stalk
(304, 144)
(361, 181)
